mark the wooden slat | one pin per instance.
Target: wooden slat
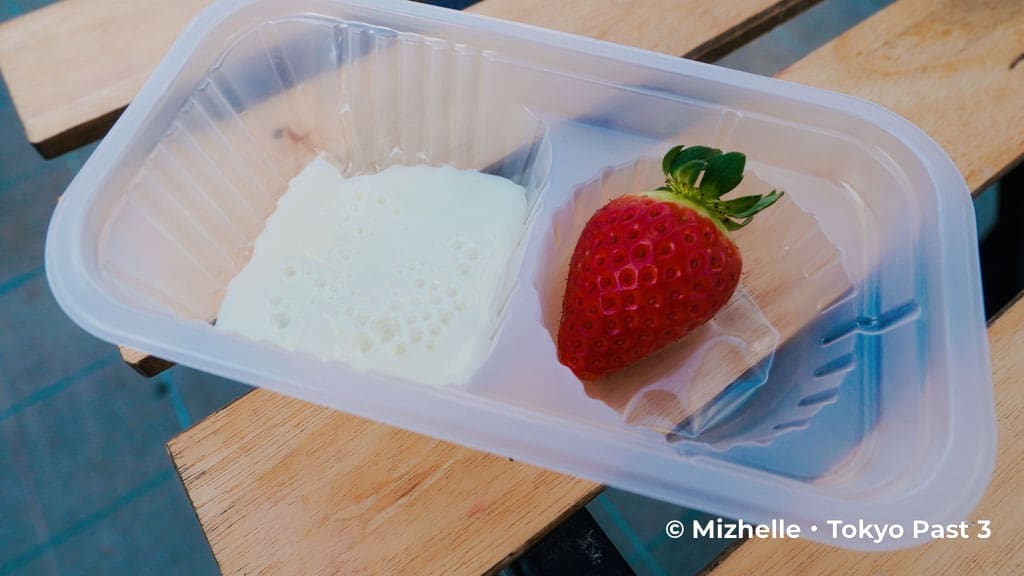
(73, 66)
(953, 67)
(143, 363)
(322, 492)
(701, 30)
(229, 477)
(1002, 553)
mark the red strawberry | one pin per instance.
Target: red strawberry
(650, 268)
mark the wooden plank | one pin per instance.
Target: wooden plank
(326, 493)
(953, 67)
(73, 66)
(1002, 553)
(701, 30)
(143, 363)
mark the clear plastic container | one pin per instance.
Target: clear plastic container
(848, 379)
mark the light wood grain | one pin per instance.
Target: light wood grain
(953, 67)
(322, 492)
(73, 63)
(73, 66)
(698, 29)
(1003, 504)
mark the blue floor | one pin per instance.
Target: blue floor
(86, 486)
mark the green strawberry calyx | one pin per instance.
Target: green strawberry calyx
(698, 176)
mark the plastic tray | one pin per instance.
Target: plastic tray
(854, 358)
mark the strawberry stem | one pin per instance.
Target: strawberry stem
(702, 175)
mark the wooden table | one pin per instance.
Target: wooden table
(284, 487)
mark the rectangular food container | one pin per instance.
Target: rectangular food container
(848, 379)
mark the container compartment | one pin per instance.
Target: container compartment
(283, 92)
(692, 386)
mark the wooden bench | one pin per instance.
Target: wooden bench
(283, 487)
(98, 53)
